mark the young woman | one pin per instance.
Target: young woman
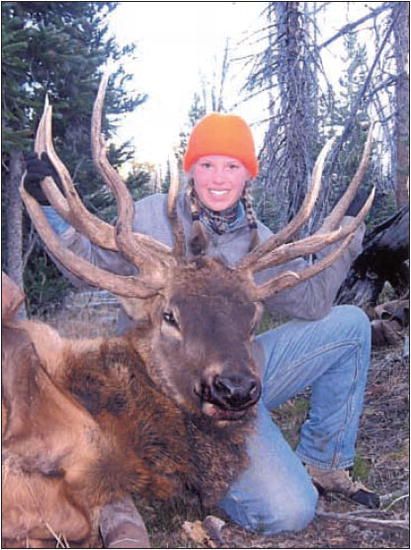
(323, 347)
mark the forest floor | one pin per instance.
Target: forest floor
(382, 463)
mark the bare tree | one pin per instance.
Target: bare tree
(289, 66)
(212, 88)
(304, 109)
(210, 97)
(401, 16)
(14, 221)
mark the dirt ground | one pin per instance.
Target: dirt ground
(382, 463)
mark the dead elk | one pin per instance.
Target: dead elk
(164, 410)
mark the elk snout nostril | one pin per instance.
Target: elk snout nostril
(224, 386)
(236, 391)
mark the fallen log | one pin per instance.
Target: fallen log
(389, 322)
(385, 258)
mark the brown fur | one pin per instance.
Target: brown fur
(89, 421)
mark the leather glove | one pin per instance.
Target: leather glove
(38, 169)
(357, 203)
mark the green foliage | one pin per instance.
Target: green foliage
(60, 49)
(269, 204)
(44, 281)
(197, 110)
(354, 60)
(361, 468)
(166, 180)
(139, 181)
(15, 99)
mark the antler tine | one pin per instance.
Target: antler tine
(49, 188)
(298, 221)
(132, 246)
(290, 279)
(69, 206)
(334, 218)
(325, 236)
(314, 243)
(178, 232)
(130, 287)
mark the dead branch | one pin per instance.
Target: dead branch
(348, 516)
(396, 500)
(351, 26)
(390, 498)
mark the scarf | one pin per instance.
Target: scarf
(220, 222)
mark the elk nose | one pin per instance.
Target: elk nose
(236, 392)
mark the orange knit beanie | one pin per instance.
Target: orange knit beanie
(221, 134)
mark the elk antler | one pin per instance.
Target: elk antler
(177, 227)
(151, 257)
(71, 207)
(133, 247)
(125, 238)
(275, 251)
(298, 221)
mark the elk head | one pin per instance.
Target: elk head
(202, 339)
(203, 314)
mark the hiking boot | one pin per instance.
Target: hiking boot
(340, 481)
(121, 525)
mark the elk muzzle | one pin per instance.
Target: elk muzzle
(228, 395)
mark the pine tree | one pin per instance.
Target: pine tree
(354, 61)
(59, 49)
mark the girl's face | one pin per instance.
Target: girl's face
(219, 181)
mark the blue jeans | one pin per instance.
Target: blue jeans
(332, 356)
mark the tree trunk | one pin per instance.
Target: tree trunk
(14, 222)
(288, 69)
(402, 94)
(294, 100)
(386, 250)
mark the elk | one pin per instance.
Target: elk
(164, 410)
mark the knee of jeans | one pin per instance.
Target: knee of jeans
(296, 513)
(354, 317)
(272, 516)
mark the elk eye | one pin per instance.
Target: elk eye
(170, 319)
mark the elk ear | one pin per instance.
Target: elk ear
(198, 241)
(136, 308)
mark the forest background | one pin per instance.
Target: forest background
(61, 49)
